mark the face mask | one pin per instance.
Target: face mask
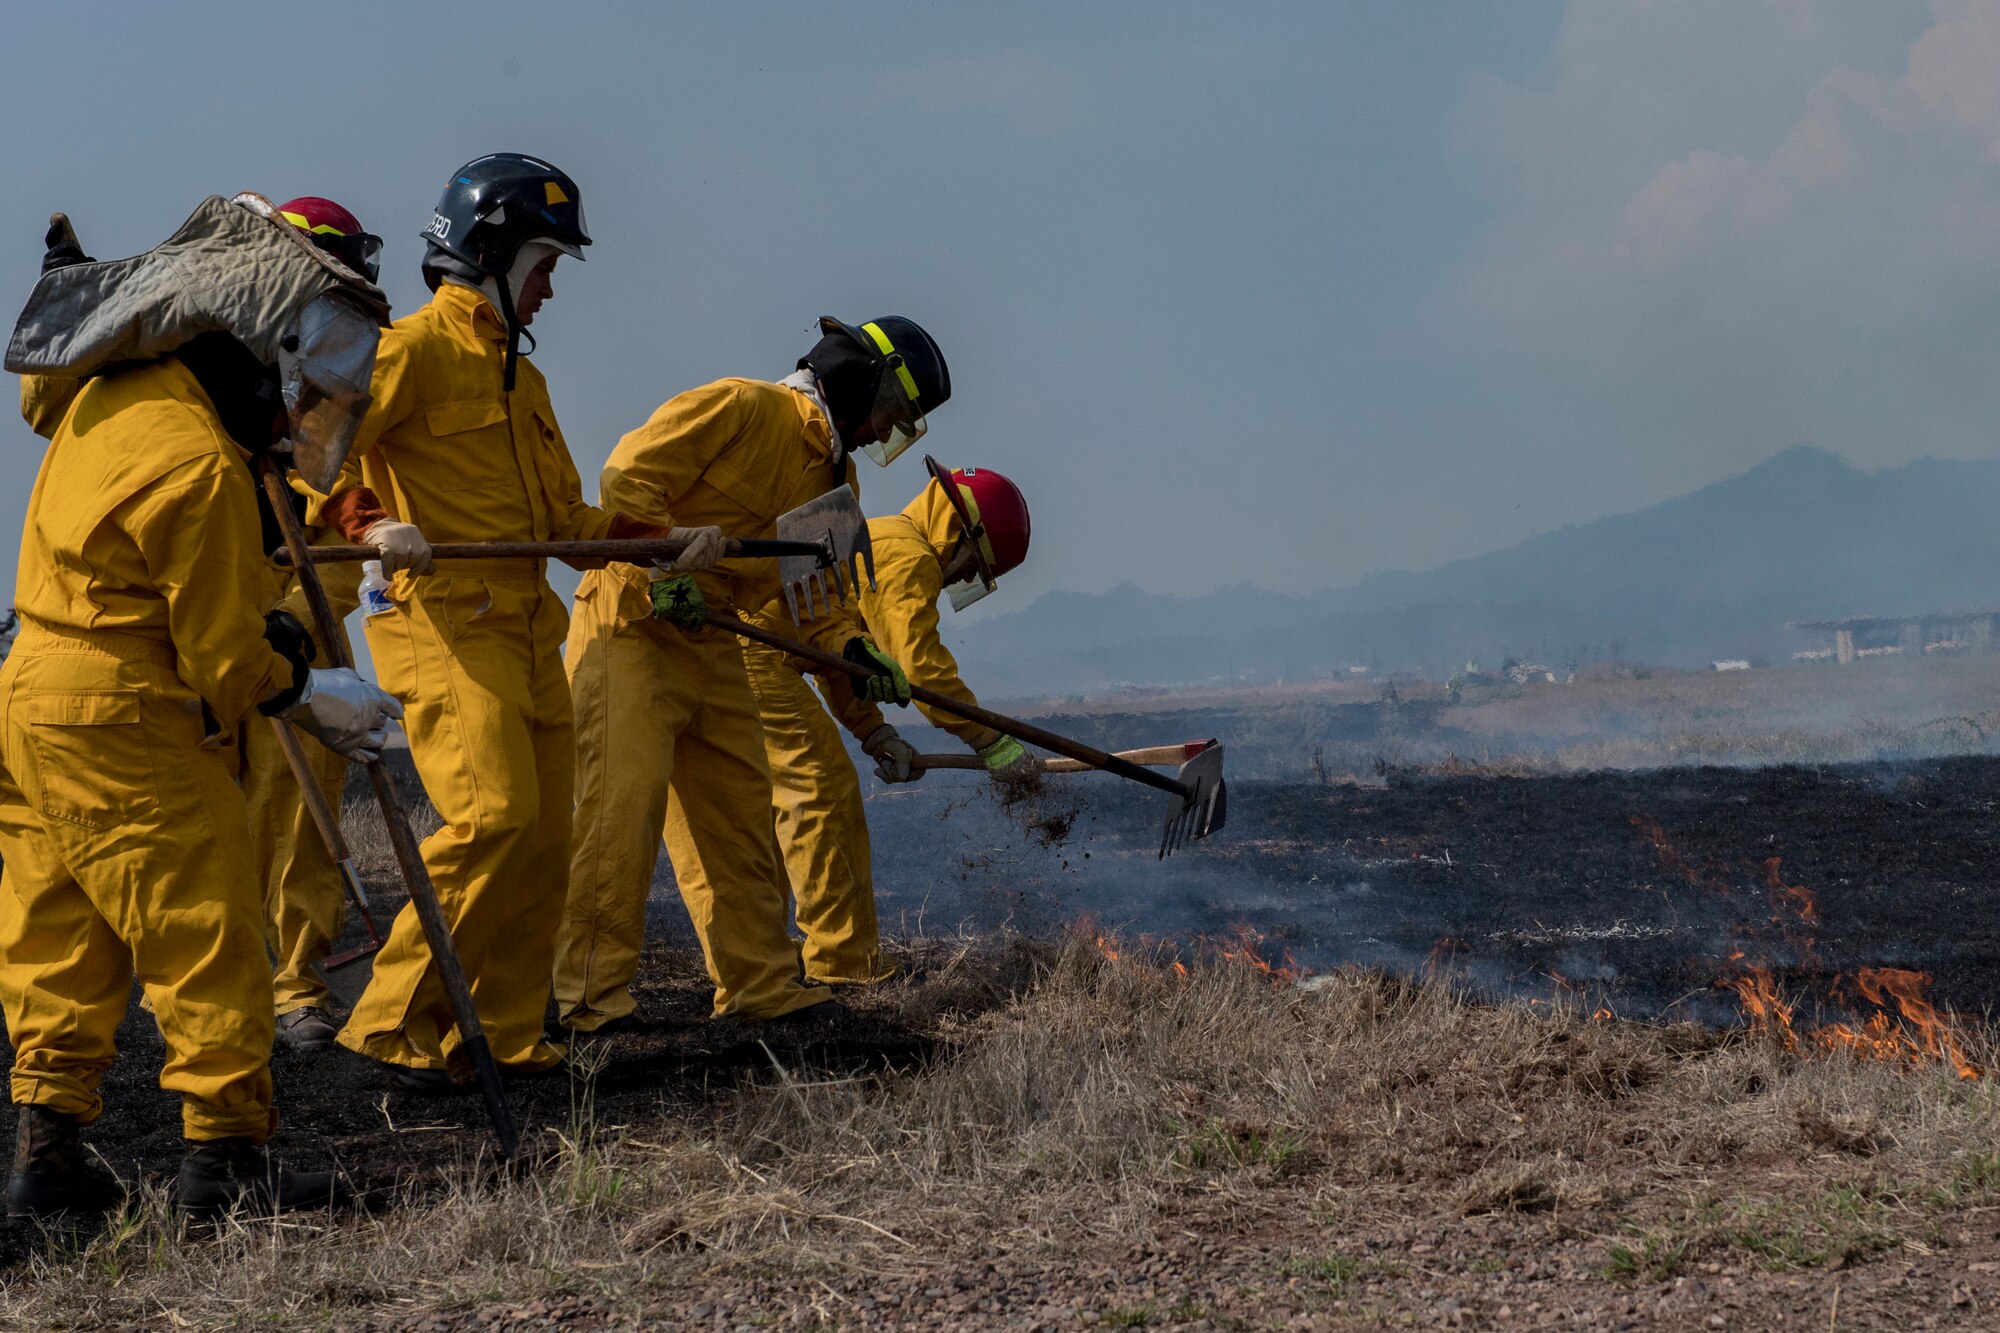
(324, 364)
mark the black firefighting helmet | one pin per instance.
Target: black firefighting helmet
(912, 379)
(492, 205)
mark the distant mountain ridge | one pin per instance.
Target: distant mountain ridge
(1715, 573)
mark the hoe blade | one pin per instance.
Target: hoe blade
(835, 523)
(1205, 806)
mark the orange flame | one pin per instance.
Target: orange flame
(1444, 956)
(1249, 952)
(1918, 1033)
(1914, 1034)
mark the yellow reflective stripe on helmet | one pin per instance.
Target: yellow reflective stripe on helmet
(888, 348)
(298, 220)
(978, 527)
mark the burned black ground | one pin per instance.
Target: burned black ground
(1521, 879)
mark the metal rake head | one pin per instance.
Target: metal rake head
(1204, 807)
(834, 523)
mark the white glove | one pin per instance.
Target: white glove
(345, 713)
(705, 547)
(895, 758)
(401, 544)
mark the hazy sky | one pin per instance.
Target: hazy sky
(1268, 293)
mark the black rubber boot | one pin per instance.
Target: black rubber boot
(54, 1177)
(307, 1029)
(222, 1174)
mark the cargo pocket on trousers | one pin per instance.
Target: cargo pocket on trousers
(93, 765)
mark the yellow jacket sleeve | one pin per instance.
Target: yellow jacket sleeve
(902, 612)
(654, 466)
(198, 532)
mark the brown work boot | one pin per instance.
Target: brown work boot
(220, 1174)
(310, 1028)
(54, 1177)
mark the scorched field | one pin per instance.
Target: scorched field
(1688, 1047)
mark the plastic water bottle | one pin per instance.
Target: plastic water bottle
(374, 589)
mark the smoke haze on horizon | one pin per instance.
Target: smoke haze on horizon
(1278, 295)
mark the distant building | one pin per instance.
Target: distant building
(1889, 636)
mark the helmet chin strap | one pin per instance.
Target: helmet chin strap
(509, 317)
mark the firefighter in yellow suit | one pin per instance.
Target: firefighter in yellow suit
(668, 733)
(461, 444)
(142, 587)
(920, 554)
(305, 904)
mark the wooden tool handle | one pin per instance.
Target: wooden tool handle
(1166, 756)
(630, 550)
(416, 876)
(324, 818)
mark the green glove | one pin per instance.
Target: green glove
(1007, 758)
(678, 601)
(888, 685)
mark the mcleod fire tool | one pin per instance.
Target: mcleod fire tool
(834, 525)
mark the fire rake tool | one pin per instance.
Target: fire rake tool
(328, 824)
(629, 550)
(1203, 802)
(834, 524)
(423, 894)
(1157, 756)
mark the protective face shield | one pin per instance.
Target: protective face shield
(965, 594)
(897, 420)
(361, 252)
(975, 554)
(325, 362)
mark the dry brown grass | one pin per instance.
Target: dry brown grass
(1113, 1101)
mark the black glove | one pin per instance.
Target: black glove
(287, 635)
(62, 247)
(289, 640)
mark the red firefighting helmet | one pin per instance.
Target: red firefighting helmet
(999, 514)
(336, 231)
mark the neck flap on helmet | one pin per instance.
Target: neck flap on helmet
(237, 268)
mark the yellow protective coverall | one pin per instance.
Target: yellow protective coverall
(667, 730)
(124, 835)
(474, 651)
(816, 795)
(304, 902)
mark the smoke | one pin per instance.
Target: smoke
(1728, 227)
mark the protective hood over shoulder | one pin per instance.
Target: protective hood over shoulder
(233, 267)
